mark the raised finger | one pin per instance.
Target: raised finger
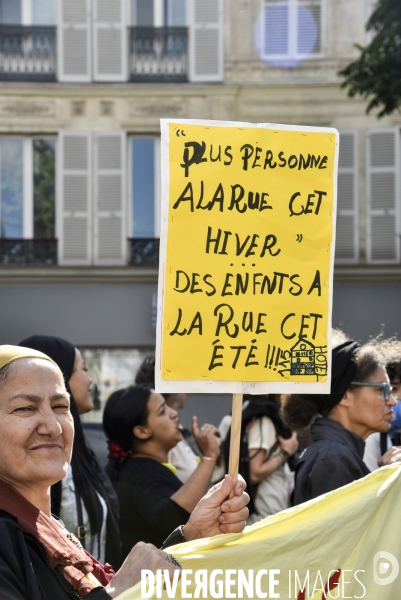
(195, 428)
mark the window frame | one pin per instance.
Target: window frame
(28, 184)
(158, 14)
(293, 39)
(157, 183)
(27, 14)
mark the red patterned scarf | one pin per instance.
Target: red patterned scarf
(70, 560)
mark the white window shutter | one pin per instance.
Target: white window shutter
(110, 222)
(206, 40)
(347, 238)
(74, 41)
(110, 40)
(74, 197)
(383, 195)
(309, 23)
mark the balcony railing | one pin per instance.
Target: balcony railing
(28, 252)
(144, 252)
(27, 53)
(158, 54)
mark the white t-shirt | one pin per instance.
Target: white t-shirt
(272, 494)
(372, 450)
(184, 459)
(69, 516)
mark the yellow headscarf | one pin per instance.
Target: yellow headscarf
(10, 353)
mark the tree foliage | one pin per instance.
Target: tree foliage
(376, 75)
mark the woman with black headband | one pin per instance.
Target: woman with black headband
(359, 404)
(85, 499)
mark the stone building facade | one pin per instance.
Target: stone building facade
(83, 84)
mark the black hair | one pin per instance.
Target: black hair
(146, 373)
(394, 370)
(124, 410)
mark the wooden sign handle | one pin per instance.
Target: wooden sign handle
(233, 462)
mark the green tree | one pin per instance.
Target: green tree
(376, 75)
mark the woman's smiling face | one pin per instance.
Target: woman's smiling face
(36, 426)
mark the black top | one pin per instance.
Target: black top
(333, 459)
(147, 513)
(25, 572)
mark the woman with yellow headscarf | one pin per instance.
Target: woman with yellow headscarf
(39, 558)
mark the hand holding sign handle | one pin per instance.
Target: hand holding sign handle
(233, 463)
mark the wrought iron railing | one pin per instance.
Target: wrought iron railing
(158, 54)
(28, 252)
(28, 53)
(144, 252)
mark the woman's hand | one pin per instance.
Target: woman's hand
(289, 445)
(393, 455)
(142, 556)
(217, 513)
(205, 438)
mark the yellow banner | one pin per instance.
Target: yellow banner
(345, 544)
(247, 252)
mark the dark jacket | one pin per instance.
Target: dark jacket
(333, 459)
(24, 570)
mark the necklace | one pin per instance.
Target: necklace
(68, 534)
(74, 539)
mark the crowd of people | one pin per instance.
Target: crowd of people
(70, 528)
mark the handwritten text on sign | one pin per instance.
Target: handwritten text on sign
(249, 234)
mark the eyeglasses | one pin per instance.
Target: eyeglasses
(385, 387)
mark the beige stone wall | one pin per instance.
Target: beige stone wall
(252, 91)
(308, 94)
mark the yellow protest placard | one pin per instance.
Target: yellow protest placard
(248, 220)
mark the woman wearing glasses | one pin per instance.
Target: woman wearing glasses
(359, 404)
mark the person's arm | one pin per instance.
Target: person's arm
(216, 513)
(260, 466)
(197, 485)
(142, 556)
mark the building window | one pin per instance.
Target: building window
(11, 177)
(290, 31)
(28, 12)
(174, 13)
(142, 13)
(167, 13)
(10, 12)
(44, 151)
(27, 187)
(144, 185)
(43, 12)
